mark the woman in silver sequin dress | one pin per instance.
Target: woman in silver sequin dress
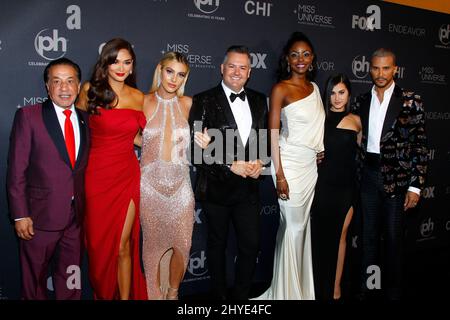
(167, 200)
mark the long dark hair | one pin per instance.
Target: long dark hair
(100, 93)
(283, 73)
(332, 81)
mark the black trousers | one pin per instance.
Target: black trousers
(381, 215)
(245, 219)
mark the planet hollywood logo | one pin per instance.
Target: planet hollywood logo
(444, 37)
(308, 14)
(207, 8)
(360, 69)
(195, 59)
(197, 264)
(426, 229)
(429, 75)
(50, 45)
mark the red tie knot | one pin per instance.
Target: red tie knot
(67, 112)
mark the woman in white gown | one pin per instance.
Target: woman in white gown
(295, 102)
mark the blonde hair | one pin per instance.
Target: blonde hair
(170, 56)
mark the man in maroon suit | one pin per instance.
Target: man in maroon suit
(46, 162)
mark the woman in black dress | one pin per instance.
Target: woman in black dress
(332, 209)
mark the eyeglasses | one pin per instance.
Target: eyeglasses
(296, 54)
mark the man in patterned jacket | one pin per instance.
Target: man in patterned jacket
(393, 162)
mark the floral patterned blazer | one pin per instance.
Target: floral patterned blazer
(403, 143)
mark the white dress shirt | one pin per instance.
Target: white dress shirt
(241, 113)
(73, 117)
(377, 114)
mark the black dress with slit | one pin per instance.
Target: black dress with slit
(334, 196)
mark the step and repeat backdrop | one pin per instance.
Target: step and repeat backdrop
(32, 33)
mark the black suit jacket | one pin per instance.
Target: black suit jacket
(215, 181)
(403, 143)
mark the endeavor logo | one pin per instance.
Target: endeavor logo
(49, 45)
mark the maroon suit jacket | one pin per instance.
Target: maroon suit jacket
(40, 179)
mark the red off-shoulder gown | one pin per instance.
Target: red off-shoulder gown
(112, 182)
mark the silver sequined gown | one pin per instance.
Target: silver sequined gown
(167, 201)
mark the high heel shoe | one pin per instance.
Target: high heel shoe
(172, 294)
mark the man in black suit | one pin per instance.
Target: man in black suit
(393, 165)
(229, 169)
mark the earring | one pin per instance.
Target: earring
(311, 68)
(131, 71)
(288, 68)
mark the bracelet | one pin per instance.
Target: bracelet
(281, 180)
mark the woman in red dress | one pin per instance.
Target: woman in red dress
(113, 175)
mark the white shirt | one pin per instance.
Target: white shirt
(241, 113)
(377, 114)
(73, 117)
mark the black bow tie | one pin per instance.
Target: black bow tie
(241, 95)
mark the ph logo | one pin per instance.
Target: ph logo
(444, 34)
(369, 23)
(49, 45)
(426, 228)
(258, 60)
(197, 265)
(360, 67)
(207, 6)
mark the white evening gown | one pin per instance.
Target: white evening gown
(301, 138)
